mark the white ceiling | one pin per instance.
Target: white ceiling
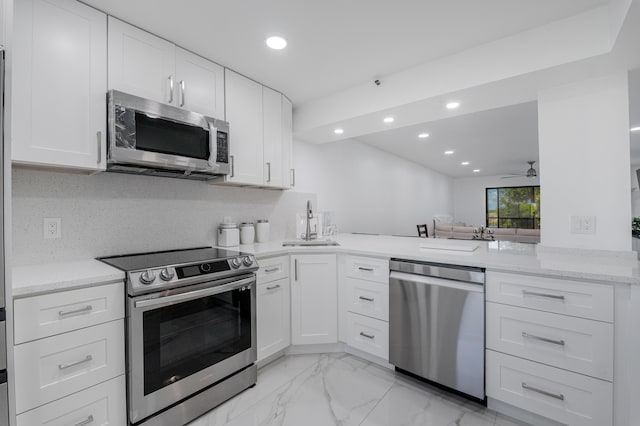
(334, 44)
(497, 141)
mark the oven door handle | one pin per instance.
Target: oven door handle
(196, 294)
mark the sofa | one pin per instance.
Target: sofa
(518, 235)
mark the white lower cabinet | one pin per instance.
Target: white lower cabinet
(314, 299)
(102, 404)
(50, 368)
(368, 335)
(273, 317)
(560, 395)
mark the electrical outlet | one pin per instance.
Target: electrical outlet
(583, 224)
(52, 228)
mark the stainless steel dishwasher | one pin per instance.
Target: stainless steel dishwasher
(436, 324)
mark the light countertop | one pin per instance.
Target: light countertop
(494, 255)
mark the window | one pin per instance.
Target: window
(513, 207)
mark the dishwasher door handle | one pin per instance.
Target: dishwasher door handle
(422, 279)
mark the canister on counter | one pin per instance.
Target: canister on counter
(247, 233)
(228, 235)
(262, 231)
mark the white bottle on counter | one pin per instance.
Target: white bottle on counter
(262, 231)
(247, 233)
(228, 235)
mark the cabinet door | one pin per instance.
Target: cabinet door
(273, 317)
(140, 63)
(314, 299)
(288, 171)
(200, 84)
(59, 84)
(244, 114)
(272, 124)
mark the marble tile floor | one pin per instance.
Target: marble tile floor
(340, 389)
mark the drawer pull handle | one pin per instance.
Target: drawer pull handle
(80, 311)
(368, 299)
(273, 287)
(543, 392)
(86, 421)
(73, 364)
(368, 336)
(542, 339)
(271, 270)
(548, 296)
(365, 269)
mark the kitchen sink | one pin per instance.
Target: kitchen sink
(310, 243)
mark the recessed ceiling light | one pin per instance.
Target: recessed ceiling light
(338, 131)
(635, 129)
(423, 135)
(448, 152)
(453, 105)
(276, 43)
(476, 170)
(388, 119)
(464, 163)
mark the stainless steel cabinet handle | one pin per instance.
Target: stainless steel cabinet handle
(99, 136)
(368, 299)
(368, 336)
(268, 172)
(80, 311)
(86, 421)
(548, 296)
(295, 269)
(542, 339)
(232, 166)
(181, 93)
(170, 89)
(271, 269)
(543, 392)
(273, 287)
(73, 364)
(293, 177)
(365, 269)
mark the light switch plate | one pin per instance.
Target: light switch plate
(583, 224)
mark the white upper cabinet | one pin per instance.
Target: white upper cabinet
(140, 63)
(59, 84)
(288, 170)
(272, 125)
(244, 114)
(200, 84)
(144, 65)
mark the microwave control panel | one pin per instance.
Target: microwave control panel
(223, 147)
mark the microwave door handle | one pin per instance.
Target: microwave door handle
(196, 294)
(213, 145)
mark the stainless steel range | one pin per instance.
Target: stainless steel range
(191, 331)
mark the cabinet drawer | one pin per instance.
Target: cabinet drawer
(103, 403)
(367, 268)
(560, 395)
(586, 300)
(575, 344)
(48, 369)
(49, 314)
(368, 334)
(273, 268)
(368, 298)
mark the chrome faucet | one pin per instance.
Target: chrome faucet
(307, 235)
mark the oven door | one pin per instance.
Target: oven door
(183, 340)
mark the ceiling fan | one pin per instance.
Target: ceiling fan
(530, 173)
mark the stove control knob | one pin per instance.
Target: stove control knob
(167, 274)
(248, 261)
(147, 277)
(236, 262)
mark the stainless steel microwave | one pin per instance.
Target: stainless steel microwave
(150, 138)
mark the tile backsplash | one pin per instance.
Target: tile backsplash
(112, 213)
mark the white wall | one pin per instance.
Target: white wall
(113, 213)
(370, 190)
(584, 150)
(469, 195)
